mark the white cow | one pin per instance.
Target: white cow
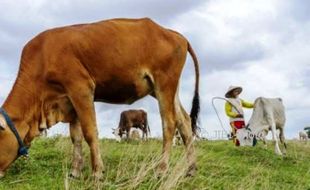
(268, 114)
(303, 136)
(134, 134)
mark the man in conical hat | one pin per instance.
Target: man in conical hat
(234, 111)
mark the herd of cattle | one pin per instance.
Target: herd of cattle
(64, 70)
(268, 115)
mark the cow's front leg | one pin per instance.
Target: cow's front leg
(127, 134)
(84, 107)
(80, 88)
(264, 134)
(265, 142)
(76, 138)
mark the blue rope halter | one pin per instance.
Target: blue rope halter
(22, 150)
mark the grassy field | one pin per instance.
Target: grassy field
(132, 166)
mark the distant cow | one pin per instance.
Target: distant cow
(134, 134)
(303, 136)
(132, 119)
(268, 114)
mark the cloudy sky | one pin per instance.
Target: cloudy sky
(262, 45)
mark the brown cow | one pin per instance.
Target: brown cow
(64, 70)
(132, 119)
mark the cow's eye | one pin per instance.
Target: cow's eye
(245, 138)
(251, 135)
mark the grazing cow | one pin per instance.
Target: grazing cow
(303, 136)
(132, 119)
(268, 114)
(64, 70)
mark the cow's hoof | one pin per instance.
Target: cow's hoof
(279, 154)
(191, 172)
(2, 174)
(161, 170)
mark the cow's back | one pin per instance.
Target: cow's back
(117, 43)
(121, 56)
(271, 106)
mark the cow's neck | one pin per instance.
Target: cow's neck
(21, 104)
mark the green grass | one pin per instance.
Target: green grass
(132, 166)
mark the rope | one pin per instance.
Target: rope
(225, 99)
(22, 150)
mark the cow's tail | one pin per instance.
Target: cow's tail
(196, 102)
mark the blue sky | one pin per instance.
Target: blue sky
(262, 45)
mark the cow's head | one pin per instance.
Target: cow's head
(116, 133)
(246, 137)
(8, 143)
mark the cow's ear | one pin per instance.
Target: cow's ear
(2, 123)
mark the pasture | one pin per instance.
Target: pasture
(132, 166)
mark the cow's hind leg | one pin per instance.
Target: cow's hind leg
(174, 116)
(76, 138)
(274, 136)
(282, 139)
(184, 127)
(168, 114)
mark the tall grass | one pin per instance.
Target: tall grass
(132, 165)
